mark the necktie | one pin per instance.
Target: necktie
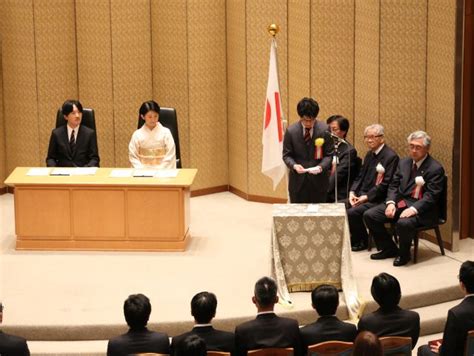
(414, 168)
(72, 141)
(307, 135)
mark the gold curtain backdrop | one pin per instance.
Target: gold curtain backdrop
(385, 61)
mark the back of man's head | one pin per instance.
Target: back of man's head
(192, 345)
(386, 290)
(325, 299)
(137, 309)
(203, 307)
(466, 276)
(265, 292)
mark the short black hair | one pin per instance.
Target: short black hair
(341, 121)
(325, 299)
(265, 292)
(192, 345)
(308, 107)
(137, 309)
(68, 106)
(466, 275)
(386, 290)
(203, 307)
(147, 106)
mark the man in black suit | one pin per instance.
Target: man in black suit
(11, 345)
(347, 162)
(460, 319)
(307, 152)
(203, 309)
(73, 144)
(390, 319)
(325, 299)
(267, 330)
(412, 200)
(138, 339)
(370, 187)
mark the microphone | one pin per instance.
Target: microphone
(335, 137)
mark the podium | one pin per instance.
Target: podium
(99, 212)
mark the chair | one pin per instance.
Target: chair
(470, 343)
(218, 353)
(88, 118)
(396, 345)
(169, 119)
(331, 348)
(272, 351)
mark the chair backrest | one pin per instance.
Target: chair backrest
(396, 345)
(150, 354)
(470, 343)
(443, 202)
(169, 119)
(272, 351)
(331, 348)
(88, 118)
(218, 353)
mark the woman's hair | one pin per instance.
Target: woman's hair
(150, 105)
(367, 344)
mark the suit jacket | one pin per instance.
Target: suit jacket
(85, 153)
(365, 181)
(216, 340)
(268, 330)
(395, 322)
(11, 345)
(327, 328)
(403, 185)
(460, 321)
(296, 151)
(138, 341)
(346, 172)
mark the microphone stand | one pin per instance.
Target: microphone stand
(336, 160)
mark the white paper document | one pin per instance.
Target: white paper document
(121, 173)
(166, 173)
(83, 171)
(61, 172)
(38, 172)
(144, 172)
(311, 169)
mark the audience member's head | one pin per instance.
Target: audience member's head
(192, 345)
(308, 108)
(325, 299)
(338, 125)
(150, 113)
(1, 312)
(419, 143)
(386, 290)
(466, 276)
(265, 294)
(203, 307)
(137, 309)
(374, 136)
(367, 344)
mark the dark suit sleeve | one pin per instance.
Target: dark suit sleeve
(93, 153)
(379, 192)
(431, 191)
(288, 149)
(239, 344)
(416, 331)
(393, 193)
(52, 149)
(450, 336)
(360, 177)
(328, 147)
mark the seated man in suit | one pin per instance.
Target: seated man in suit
(307, 144)
(11, 345)
(138, 339)
(203, 309)
(370, 187)
(328, 327)
(347, 160)
(460, 319)
(73, 144)
(191, 345)
(267, 330)
(412, 200)
(390, 319)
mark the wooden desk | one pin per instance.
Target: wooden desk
(100, 212)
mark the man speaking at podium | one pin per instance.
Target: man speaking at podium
(72, 145)
(307, 152)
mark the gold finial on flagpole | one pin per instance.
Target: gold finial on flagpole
(273, 29)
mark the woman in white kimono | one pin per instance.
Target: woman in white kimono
(152, 145)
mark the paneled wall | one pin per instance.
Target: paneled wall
(386, 61)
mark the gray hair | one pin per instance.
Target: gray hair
(420, 134)
(377, 127)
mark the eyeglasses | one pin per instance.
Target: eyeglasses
(372, 137)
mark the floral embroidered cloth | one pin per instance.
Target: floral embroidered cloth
(310, 247)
